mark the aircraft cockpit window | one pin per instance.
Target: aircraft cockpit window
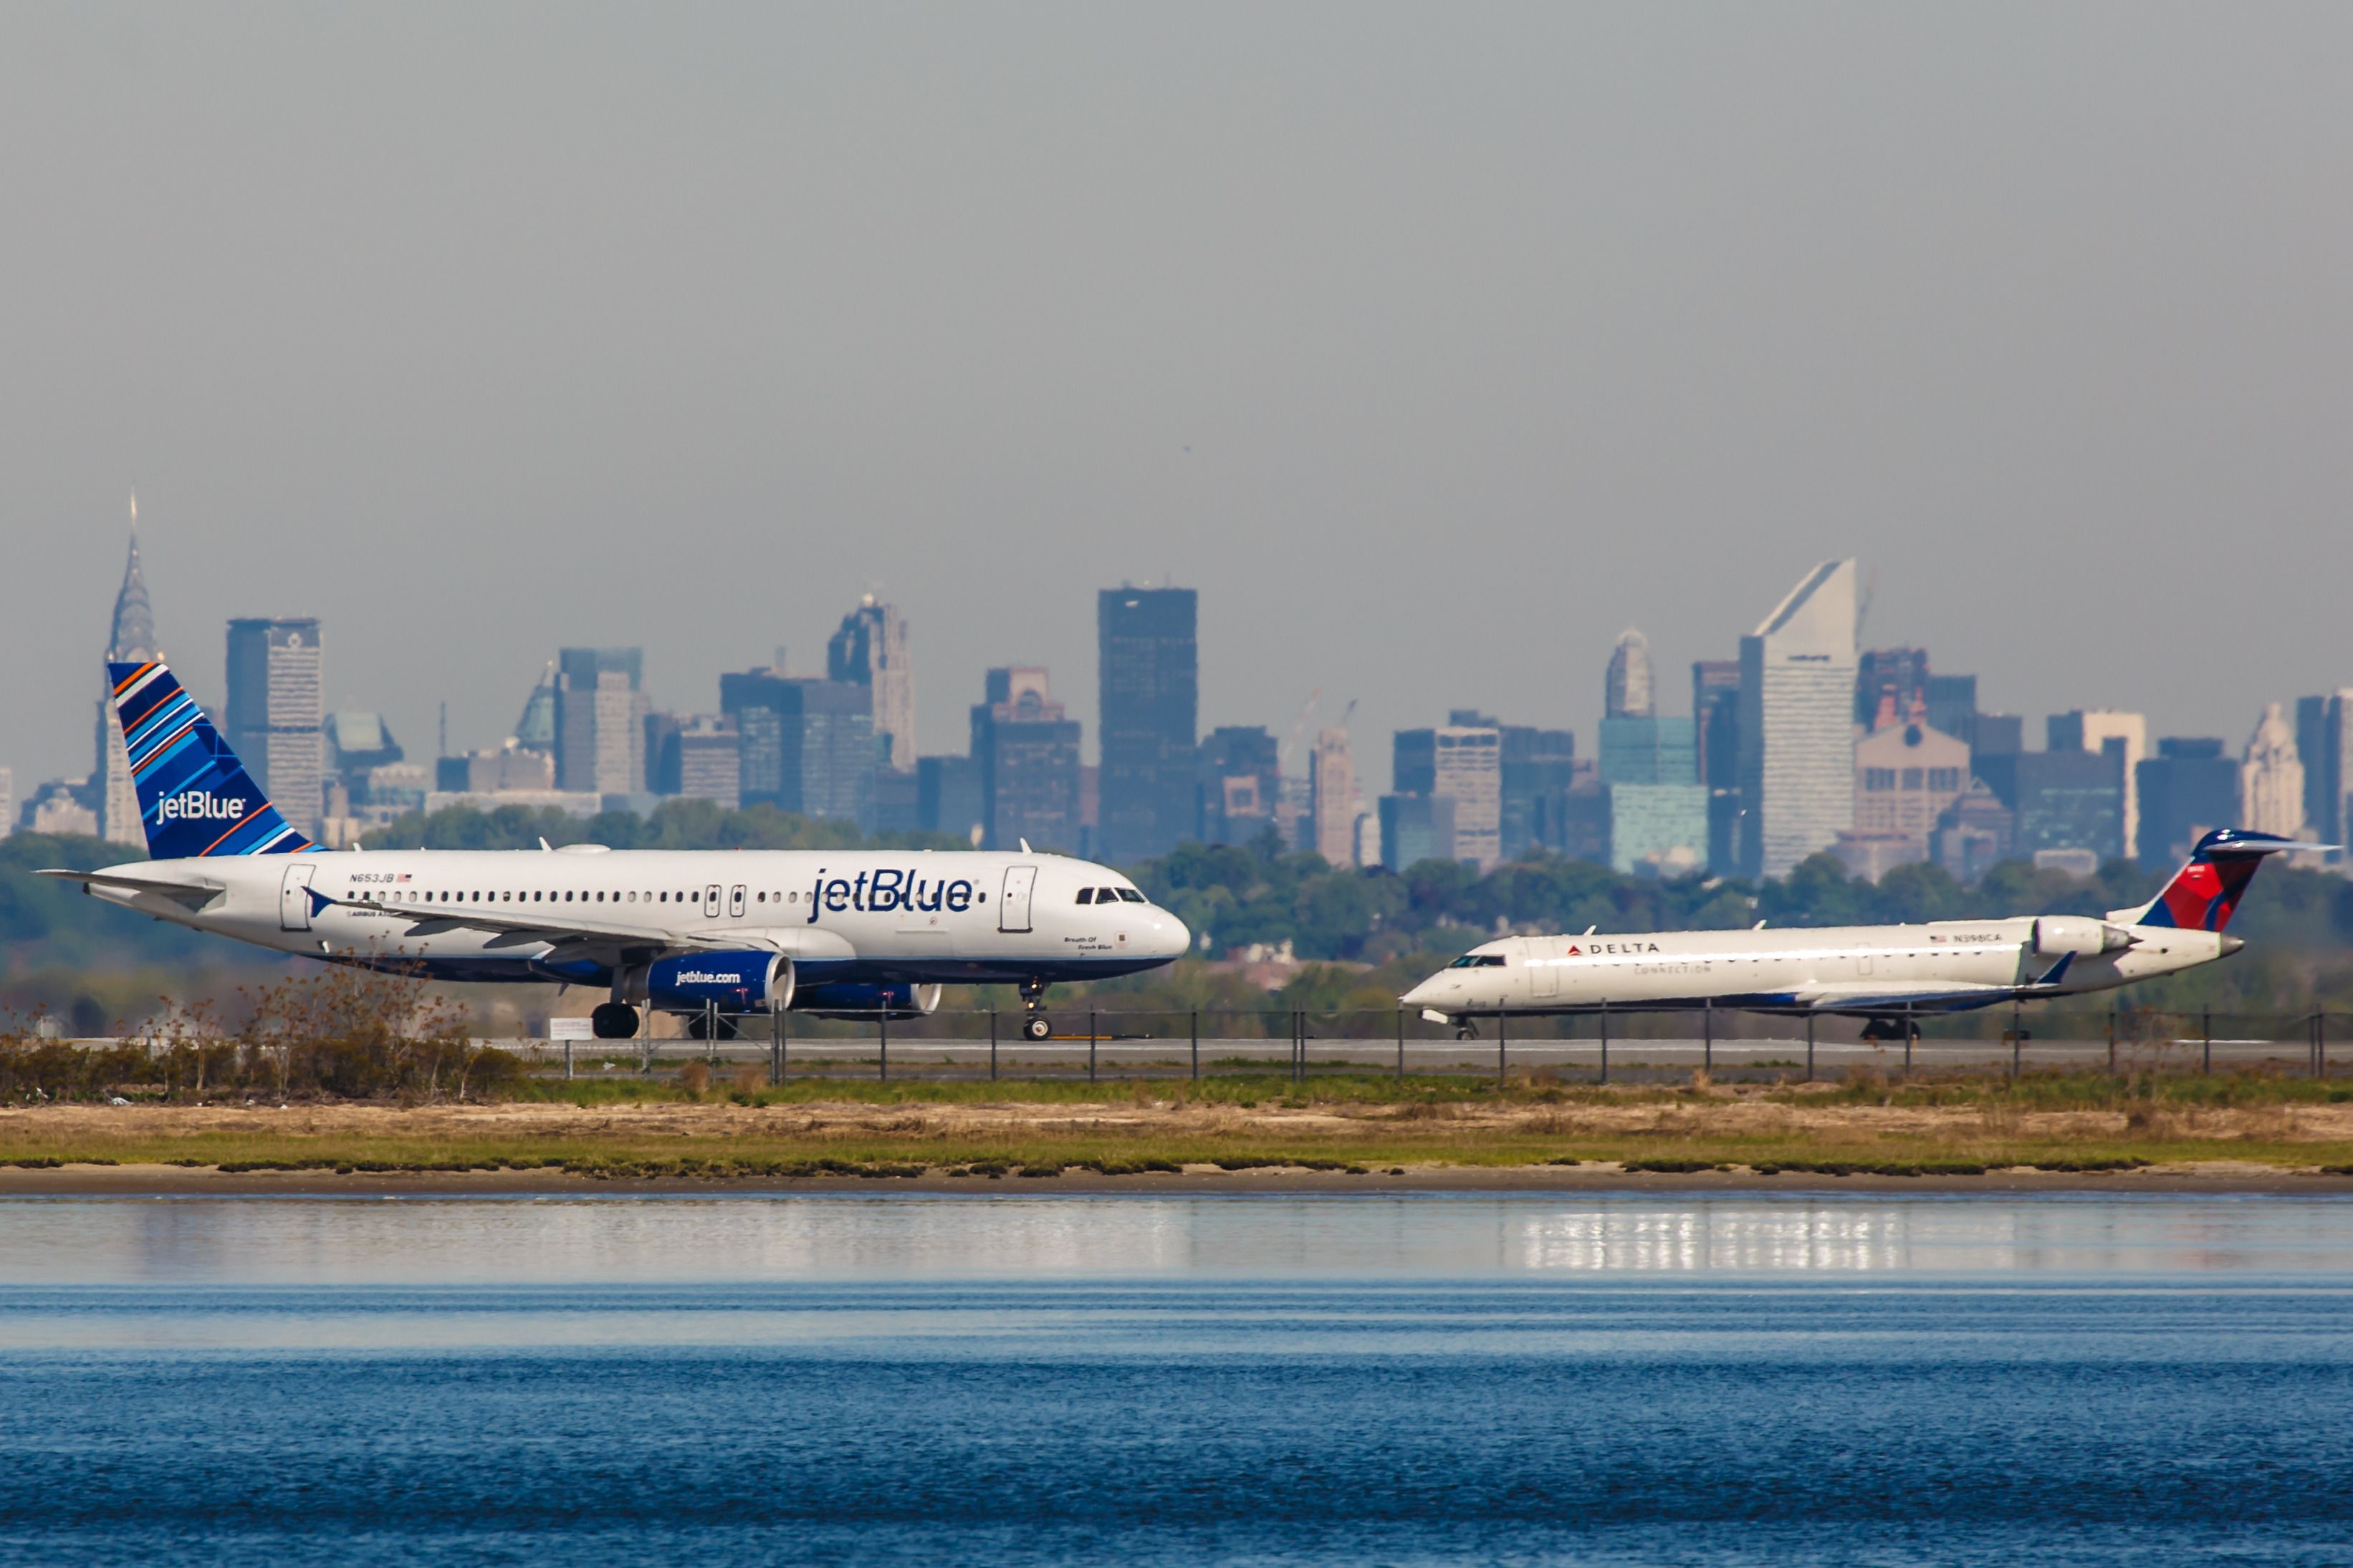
(1130, 895)
(1086, 895)
(1106, 895)
(1478, 961)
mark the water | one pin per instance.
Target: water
(1008, 1381)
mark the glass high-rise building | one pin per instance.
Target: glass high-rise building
(600, 720)
(1150, 673)
(1797, 723)
(276, 714)
(1026, 750)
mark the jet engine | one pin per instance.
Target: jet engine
(2056, 935)
(747, 982)
(866, 1002)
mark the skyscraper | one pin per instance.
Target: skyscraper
(1027, 752)
(806, 746)
(132, 639)
(1797, 723)
(2091, 729)
(276, 715)
(1627, 691)
(2186, 790)
(870, 650)
(1150, 672)
(2324, 744)
(2272, 776)
(1470, 770)
(1331, 784)
(600, 720)
(1715, 744)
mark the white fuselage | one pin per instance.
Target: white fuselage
(853, 915)
(1940, 966)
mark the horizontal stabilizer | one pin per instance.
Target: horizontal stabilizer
(195, 895)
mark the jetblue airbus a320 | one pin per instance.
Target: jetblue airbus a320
(709, 934)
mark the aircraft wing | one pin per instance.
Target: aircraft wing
(195, 895)
(1860, 997)
(575, 934)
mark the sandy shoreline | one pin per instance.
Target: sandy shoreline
(1597, 1178)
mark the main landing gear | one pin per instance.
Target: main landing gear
(1877, 1031)
(614, 1021)
(1035, 1024)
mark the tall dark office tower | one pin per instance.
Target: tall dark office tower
(806, 746)
(1952, 704)
(1715, 724)
(276, 715)
(1150, 669)
(2186, 790)
(1027, 753)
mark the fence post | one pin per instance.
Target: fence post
(1400, 1045)
(1299, 1044)
(2112, 1042)
(1907, 1039)
(2016, 1035)
(1707, 1036)
(1605, 1040)
(1810, 1045)
(567, 1061)
(2206, 1040)
(776, 1043)
(2312, 1046)
(992, 1044)
(1502, 1048)
(1194, 1030)
(1091, 1045)
(2320, 1045)
(882, 1045)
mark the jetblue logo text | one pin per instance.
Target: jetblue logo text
(706, 977)
(197, 804)
(879, 893)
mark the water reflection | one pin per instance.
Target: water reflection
(635, 1239)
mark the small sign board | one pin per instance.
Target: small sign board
(571, 1029)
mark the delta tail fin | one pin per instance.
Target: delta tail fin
(194, 797)
(2205, 892)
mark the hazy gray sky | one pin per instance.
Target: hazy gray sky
(1434, 344)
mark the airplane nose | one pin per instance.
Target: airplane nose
(1173, 937)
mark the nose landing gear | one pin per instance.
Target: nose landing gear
(1035, 1024)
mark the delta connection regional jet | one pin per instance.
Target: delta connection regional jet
(710, 934)
(1887, 975)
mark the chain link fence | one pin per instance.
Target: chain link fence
(1301, 1043)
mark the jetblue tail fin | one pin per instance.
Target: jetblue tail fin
(2205, 892)
(194, 797)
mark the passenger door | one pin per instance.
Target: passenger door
(1013, 907)
(295, 898)
(1544, 970)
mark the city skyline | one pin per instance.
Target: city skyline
(489, 700)
(1660, 327)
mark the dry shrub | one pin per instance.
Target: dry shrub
(694, 1078)
(751, 1081)
(2148, 1121)
(1702, 1080)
